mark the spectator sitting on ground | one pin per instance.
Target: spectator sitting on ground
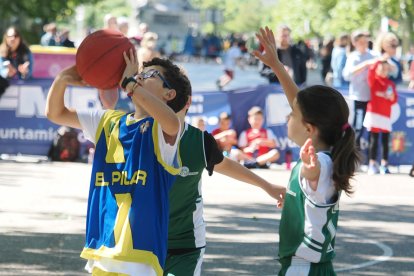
(16, 59)
(257, 142)
(226, 138)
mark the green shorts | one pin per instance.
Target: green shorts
(300, 267)
(184, 262)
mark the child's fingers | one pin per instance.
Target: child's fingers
(313, 156)
(273, 37)
(126, 58)
(305, 148)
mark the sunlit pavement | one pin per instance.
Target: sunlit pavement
(43, 208)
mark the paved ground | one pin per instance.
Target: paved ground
(42, 217)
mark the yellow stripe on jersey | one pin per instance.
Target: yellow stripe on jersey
(172, 170)
(115, 153)
(122, 230)
(123, 249)
(115, 150)
(99, 272)
(134, 255)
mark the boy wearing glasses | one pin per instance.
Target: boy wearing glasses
(135, 164)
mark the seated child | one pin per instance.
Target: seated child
(257, 142)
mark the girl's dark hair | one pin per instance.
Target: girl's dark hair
(326, 109)
(178, 80)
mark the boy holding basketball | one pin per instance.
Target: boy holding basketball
(135, 164)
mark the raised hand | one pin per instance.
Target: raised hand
(310, 164)
(308, 155)
(267, 39)
(71, 76)
(131, 61)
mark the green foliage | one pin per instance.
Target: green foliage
(310, 18)
(95, 13)
(31, 15)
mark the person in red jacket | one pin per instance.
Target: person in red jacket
(378, 117)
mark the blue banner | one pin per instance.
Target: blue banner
(24, 128)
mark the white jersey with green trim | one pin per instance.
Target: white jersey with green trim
(309, 218)
(187, 228)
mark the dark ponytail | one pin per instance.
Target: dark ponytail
(326, 108)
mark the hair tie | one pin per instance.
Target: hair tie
(345, 126)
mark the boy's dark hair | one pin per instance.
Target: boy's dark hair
(177, 79)
(326, 109)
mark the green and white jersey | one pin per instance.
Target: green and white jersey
(309, 218)
(198, 150)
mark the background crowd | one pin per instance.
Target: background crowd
(371, 66)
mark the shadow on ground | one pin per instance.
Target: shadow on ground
(360, 250)
(25, 253)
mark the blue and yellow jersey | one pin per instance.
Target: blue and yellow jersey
(128, 208)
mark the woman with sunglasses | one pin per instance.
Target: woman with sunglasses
(387, 44)
(16, 60)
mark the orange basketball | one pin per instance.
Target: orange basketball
(99, 58)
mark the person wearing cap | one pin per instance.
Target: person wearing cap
(257, 142)
(356, 72)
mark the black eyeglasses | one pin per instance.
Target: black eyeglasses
(153, 74)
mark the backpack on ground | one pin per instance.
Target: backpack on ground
(66, 145)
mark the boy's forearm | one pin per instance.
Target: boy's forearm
(56, 111)
(157, 109)
(234, 170)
